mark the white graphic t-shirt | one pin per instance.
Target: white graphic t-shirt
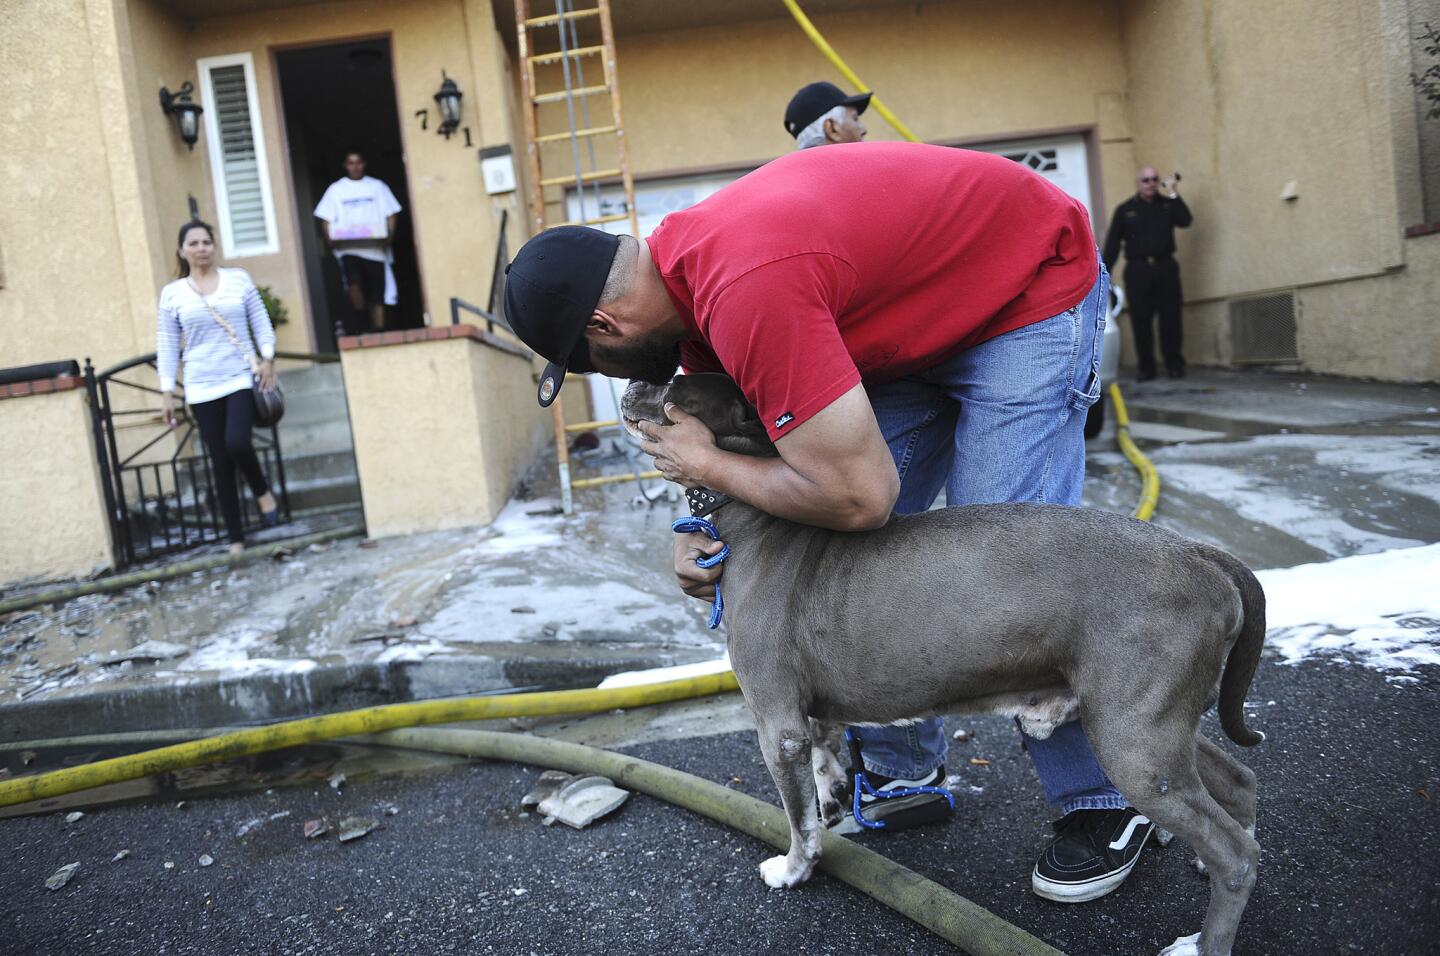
(357, 208)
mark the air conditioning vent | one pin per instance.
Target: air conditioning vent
(1262, 330)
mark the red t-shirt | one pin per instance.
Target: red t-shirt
(866, 262)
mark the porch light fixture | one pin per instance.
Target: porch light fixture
(448, 100)
(186, 113)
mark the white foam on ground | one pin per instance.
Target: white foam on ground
(1382, 610)
(1254, 499)
(658, 675)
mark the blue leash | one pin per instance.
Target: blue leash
(863, 785)
(687, 525)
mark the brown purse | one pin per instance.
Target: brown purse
(269, 402)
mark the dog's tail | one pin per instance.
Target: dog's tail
(1244, 655)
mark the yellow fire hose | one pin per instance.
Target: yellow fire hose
(1149, 477)
(367, 720)
(845, 70)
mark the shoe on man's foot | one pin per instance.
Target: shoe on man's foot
(1092, 853)
(897, 813)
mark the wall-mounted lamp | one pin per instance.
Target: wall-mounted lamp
(448, 100)
(186, 113)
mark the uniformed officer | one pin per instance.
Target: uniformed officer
(1146, 223)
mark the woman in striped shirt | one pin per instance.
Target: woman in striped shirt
(218, 375)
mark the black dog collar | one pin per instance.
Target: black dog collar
(703, 501)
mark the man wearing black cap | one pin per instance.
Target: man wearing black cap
(821, 113)
(940, 328)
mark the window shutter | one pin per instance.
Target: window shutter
(239, 159)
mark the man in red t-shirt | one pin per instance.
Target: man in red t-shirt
(905, 318)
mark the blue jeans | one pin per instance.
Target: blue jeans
(1003, 421)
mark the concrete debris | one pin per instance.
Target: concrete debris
(169, 864)
(119, 856)
(1163, 836)
(74, 816)
(316, 828)
(551, 630)
(206, 859)
(61, 876)
(962, 736)
(391, 810)
(353, 828)
(337, 780)
(549, 782)
(575, 800)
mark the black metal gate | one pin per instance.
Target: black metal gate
(159, 505)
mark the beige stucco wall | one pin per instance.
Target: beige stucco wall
(72, 223)
(1210, 96)
(1383, 327)
(52, 518)
(443, 430)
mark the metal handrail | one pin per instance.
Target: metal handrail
(458, 305)
(322, 358)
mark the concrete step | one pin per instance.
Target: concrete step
(315, 438)
(315, 378)
(248, 696)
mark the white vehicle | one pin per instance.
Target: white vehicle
(1109, 360)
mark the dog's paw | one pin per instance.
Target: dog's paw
(778, 874)
(1184, 946)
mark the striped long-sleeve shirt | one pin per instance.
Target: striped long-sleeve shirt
(214, 367)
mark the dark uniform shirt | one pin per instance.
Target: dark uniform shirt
(1147, 228)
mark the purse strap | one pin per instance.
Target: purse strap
(229, 330)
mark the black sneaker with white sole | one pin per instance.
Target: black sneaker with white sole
(896, 813)
(1092, 853)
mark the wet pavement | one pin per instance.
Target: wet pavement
(1281, 470)
(1348, 796)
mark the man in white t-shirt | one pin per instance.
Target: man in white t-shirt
(357, 215)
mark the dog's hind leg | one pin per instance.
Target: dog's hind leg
(1164, 784)
(785, 742)
(1229, 781)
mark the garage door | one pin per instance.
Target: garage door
(1061, 159)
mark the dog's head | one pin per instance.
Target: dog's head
(714, 399)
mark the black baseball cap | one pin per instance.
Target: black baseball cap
(814, 101)
(551, 287)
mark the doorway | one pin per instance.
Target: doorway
(339, 98)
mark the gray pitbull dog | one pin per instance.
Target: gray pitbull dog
(1041, 612)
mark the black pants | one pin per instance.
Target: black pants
(225, 425)
(1154, 286)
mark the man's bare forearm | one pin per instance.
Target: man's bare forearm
(774, 487)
